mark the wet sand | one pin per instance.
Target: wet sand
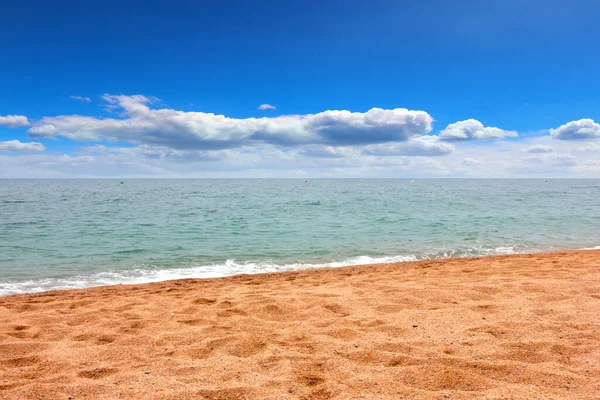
(521, 327)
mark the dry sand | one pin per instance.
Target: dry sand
(522, 327)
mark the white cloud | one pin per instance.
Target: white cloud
(320, 151)
(183, 130)
(588, 149)
(503, 159)
(563, 160)
(471, 129)
(469, 162)
(332, 143)
(266, 107)
(16, 145)
(131, 105)
(265, 162)
(154, 153)
(13, 121)
(420, 146)
(553, 159)
(540, 148)
(81, 99)
(582, 129)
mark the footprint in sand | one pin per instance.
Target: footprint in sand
(232, 312)
(21, 327)
(219, 394)
(195, 322)
(202, 300)
(18, 349)
(97, 373)
(336, 308)
(225, 304)
(19, 362)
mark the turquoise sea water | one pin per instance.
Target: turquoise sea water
(80, 233)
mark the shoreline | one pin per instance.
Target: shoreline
(324, 266)
(293, 267)
(519, 325)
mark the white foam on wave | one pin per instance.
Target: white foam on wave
(155, 274)
(149, 274)
(476, 251)
(591, 248)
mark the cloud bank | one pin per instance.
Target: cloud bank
(422, 146)
(184, 130)
(141, 137)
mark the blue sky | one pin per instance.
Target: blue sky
(73, 69)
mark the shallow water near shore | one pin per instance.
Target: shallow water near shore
(58, 234)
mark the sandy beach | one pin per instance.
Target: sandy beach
(519, 326)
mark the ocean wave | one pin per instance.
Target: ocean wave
(156, 274)
(149, 274)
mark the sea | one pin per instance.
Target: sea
(61, 234)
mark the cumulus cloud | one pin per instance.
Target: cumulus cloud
(421, 146)
(141, 124)
(266, 107)
(13, 121)
(81, 99)
(471, 129)
(540, 149)
(582, 129)
(16, 145)
(332, 143)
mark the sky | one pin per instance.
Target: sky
(300, 89)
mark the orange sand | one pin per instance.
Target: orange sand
(521, 327)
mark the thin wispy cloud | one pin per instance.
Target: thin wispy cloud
(588, 149)
(540, 149)
(266, 107)
(81, 99)
(469, 162)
